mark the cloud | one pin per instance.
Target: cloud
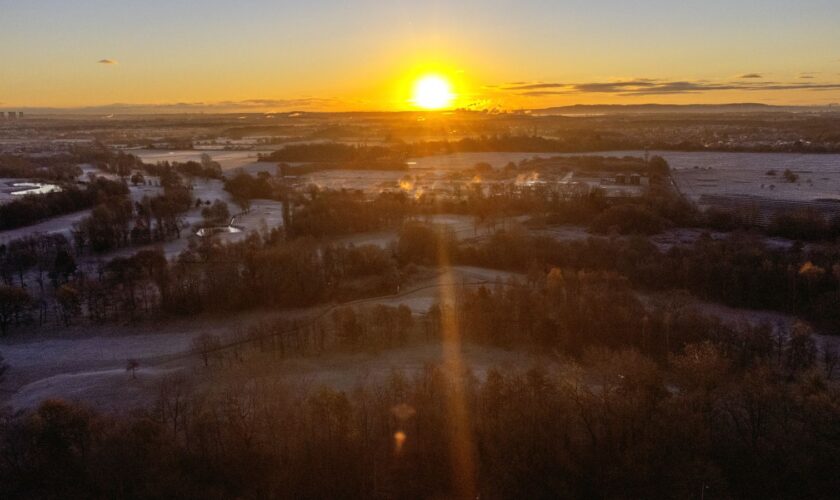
(806, 76)
(649, 86)
(533, 86)
(107, 61)
(751, 75)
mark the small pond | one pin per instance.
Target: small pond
(34, 188)
(210, 231)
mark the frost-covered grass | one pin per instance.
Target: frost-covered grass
(87, 364)
(227, 159)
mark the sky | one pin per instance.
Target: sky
(328, 55)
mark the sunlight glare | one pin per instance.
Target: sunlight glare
(433, 92)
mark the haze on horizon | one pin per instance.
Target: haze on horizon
(328, 55)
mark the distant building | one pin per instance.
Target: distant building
(20, 115)
(620, 179)
(635, 179)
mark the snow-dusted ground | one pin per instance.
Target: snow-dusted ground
(262, 216)
(61, 224)
(12, 188)
(254, 168)
(347, 371)
(365, 180)
(467, 227)
(227, 159)
(382, 239)
(87, 364)
(461, 161)
(563, 233)
(464, 227)
(779, 322)
(716, 173)
(109, 389)
(746, 173)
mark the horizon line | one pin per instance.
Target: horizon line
(229, 108)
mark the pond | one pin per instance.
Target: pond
(34, 188)
(210, 231)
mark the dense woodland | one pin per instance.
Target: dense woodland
(736, 269)
(59, 168)
(31, 209)
(634, 393)
(702, 425)
(666, 402)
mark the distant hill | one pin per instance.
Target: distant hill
(227, 108)
(747, 107)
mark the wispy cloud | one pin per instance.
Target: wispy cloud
(649, 86)
(751, 75)
(107, 61)
(533, 86)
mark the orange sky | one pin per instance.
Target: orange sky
(330, 55)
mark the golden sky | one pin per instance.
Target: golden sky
(366, 55)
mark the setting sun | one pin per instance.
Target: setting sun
(432, 92)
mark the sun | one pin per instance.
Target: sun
(432, 92)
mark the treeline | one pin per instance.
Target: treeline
(117, 222)
(111, 209)
(125, 164)
(58, 168)
(107, 160)
(51, 255)
(805, 225)
(335, 213)
(243, 187)
(340, 152)
(31, 209)
(626, 164)
(740, 270)
(571, 312)
(317, 212)
(516, 143)
(204, 168)
(564, 312)
(348, 329)
(622, 426)
(262, 271)
(276, 275)
(334, 152)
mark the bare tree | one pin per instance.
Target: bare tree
(830, 358)
(13, 301)
(131, 366)
(4, 367)
(207, 345)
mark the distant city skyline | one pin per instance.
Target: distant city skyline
(327, 55)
